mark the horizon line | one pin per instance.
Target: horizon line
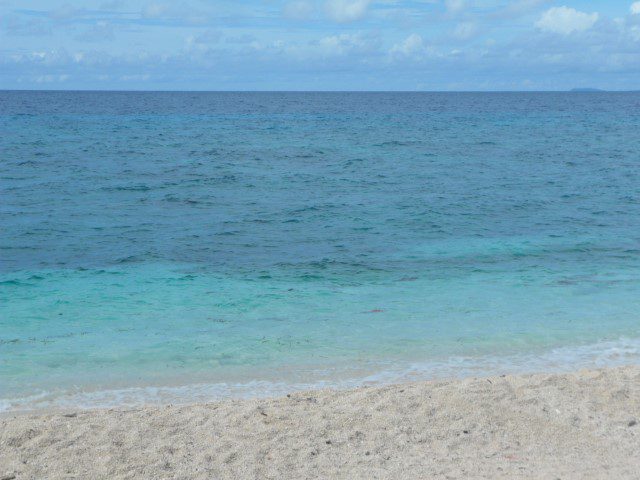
(90, 90)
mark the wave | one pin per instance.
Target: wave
(611, 353)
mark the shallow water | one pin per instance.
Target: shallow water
(214, 244)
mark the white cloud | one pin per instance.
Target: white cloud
(410, 45)
(347, 44)
(254, 54)
(155, 10)
(565, 20)
(298, 10)
(635, 8)
(344, 11)
(455, 6)
(51, 78)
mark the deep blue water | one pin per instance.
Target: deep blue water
(236, 243)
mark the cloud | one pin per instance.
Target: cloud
(565, 20)
(635, 8)
(410, 46)
(298, 10)
(155, 10)
(455, 6)
(476, 44)
(51, 78)
(343, 11)
(348, 44)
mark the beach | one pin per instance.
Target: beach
(575, 425)
(319, 239)
(290, 285)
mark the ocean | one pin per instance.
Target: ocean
(167, 247)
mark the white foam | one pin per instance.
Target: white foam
(624, 351)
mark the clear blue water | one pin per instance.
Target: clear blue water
(175, 246)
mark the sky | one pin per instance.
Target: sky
(431, 45)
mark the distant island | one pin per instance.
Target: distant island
(586, 90)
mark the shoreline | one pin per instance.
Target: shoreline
(583, 424)
(274, 382)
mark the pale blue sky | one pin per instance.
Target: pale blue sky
(320, 44)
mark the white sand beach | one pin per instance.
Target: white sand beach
(548, 426)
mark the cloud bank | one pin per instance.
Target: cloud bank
(320, 45)
(565, 20)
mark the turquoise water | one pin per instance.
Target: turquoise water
(177, 246)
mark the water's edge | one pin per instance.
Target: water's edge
(622, 352)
